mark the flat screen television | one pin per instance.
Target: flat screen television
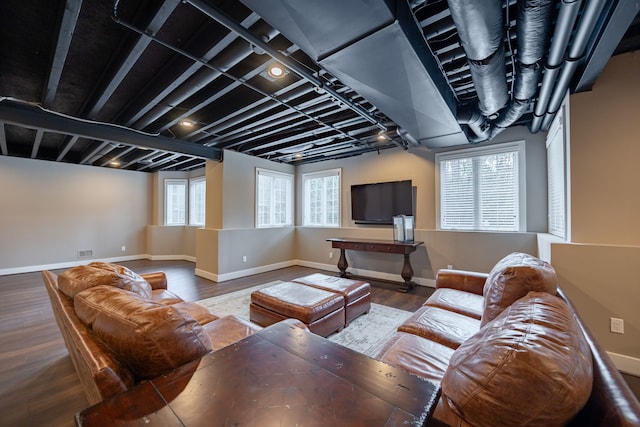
(378, 203)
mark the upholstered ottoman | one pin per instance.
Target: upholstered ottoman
(357, 294)
(322, 311)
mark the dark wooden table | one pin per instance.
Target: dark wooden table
(282, 376)
(385, 246)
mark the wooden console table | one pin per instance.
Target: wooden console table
(386, 246)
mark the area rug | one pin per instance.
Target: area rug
(366, 334)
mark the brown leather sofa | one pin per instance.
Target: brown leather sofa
(121, 328)
(509, 349)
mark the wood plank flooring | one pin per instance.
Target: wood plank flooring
(38, 384)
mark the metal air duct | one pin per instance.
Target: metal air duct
(377, 48)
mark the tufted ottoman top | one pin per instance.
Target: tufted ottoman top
(298, 301)
(350, 288)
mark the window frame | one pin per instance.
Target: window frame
(185, 184)
(476, 152)
(192, 200)
(306, 202)
(289, 179)
(558, 178)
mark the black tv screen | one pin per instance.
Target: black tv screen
(379, 203)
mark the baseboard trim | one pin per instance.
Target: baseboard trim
(68, 264)
(172, 258)
(628, 365)
(242, 273)
(391, 277)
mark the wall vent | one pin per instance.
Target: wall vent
(85, 254)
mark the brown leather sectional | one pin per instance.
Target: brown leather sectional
(121, 328)
(508, 349)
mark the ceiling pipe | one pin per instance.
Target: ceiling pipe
(576, 55)
(232, 25)
(564, 26)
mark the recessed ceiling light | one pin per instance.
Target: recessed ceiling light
(276, 70)
(186, 123)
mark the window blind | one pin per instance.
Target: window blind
(480, 189)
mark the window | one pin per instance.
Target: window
(274, 199)
(197, 187)
(321, 195)
(482, 188)
(556, 178)
(180, 205)
(175, 197)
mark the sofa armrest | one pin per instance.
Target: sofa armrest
(612, 402)
(157, 280)
(468, 281)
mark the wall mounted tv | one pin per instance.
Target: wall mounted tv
(378, 203)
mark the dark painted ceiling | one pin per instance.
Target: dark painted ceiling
(106, 83)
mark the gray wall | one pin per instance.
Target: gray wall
(52, 210)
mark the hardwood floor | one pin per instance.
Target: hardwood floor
(39, 386)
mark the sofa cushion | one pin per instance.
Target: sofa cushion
(443, 326)
(82, 277)
(421, 356)
(148, 337)
(512, 278)
(457, 301)
(529, 366)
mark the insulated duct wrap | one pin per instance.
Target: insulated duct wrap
(479, 25)
(527, 78)
(489, 79)
(480, 28)
(534, 24)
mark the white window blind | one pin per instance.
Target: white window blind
(556, 178)
(274, 194)
(175, 198)
(321, 195)
(482, 188)
(197, 192)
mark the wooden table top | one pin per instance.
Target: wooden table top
(281, 376)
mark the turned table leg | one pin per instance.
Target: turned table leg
(342, 263)
(407, 274)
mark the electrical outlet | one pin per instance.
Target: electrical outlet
(449, 267)
(124, 248)
(617, 325)
(330, 255)
(244, 258)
